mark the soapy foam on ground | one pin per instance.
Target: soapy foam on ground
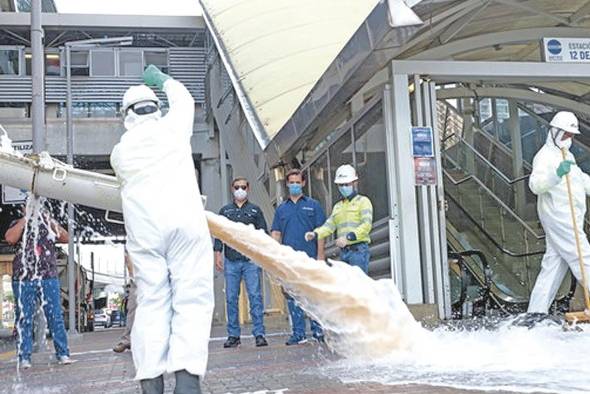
(543, 359)
(368, 323)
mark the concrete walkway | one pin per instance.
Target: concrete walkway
(247, 369)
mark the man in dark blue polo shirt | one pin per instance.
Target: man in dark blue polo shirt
(293, 218)
(238, 266)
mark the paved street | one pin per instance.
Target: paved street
(274, 369)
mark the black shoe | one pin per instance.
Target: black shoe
(232, 342)
(261, 341)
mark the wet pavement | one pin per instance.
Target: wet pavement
(247, 369)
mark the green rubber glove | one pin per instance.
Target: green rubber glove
(152, 76)
(564, 168)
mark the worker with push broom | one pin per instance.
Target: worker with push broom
(561, 188)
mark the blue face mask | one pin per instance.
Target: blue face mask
(295, 189)
(346, 191)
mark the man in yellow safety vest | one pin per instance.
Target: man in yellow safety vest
(351, 218)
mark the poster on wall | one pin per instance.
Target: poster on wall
(425, 171)
(422, 142)
(10, 195)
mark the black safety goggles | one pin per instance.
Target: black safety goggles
(143, 110)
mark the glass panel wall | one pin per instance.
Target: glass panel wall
(9, 61)
(320, 182)
(52, 62)
(79, 63)
(91, 110)
(370, 154)
(103, 62)
(130, 62)
(158, 58)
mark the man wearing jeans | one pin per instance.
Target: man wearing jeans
(351, 218)
(34, 277)
(294, 217)
(237, 266)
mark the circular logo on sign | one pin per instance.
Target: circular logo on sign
(554, 47)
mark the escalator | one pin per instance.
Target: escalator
(494, 237)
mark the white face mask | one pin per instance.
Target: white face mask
(557, 135)
(240, 194)
(132, 119)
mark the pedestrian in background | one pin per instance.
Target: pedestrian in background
(236, 266)
(35, 277)
(296, 216)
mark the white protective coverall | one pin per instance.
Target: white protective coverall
(168, 239)
(554, 213)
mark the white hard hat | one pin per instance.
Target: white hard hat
(345, 174)
(137, 94)
(566, 121)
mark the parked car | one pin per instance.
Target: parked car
(102, 319)
(117, 319)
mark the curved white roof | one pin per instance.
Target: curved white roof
(278, 49)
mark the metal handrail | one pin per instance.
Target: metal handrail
(495, 198)
(491, 237)
(487, 275)
(490, 164)
(496, 143)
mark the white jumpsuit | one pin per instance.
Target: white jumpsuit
(168, 239)
(554, 213)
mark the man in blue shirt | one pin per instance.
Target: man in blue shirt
(238, 266)
(293, 218)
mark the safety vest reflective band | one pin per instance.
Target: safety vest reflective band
(349, 216)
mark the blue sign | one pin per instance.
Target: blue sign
(422, 142)
(566, 50)
(554, 47)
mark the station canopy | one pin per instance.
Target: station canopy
(277, 51)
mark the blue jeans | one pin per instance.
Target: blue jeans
(26, 294)
(298, 320)
(234, 271)
(357, 255)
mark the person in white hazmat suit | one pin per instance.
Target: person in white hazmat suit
(168, 238)
(548, 182)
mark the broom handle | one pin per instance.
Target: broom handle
(577, 235)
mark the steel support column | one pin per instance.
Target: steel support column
(71, 234)
(517, 160)
(402, 176)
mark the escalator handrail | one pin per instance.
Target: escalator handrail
(495, 198)
(463, 276)
(487, 273)
(495, 169)
(490, 237)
